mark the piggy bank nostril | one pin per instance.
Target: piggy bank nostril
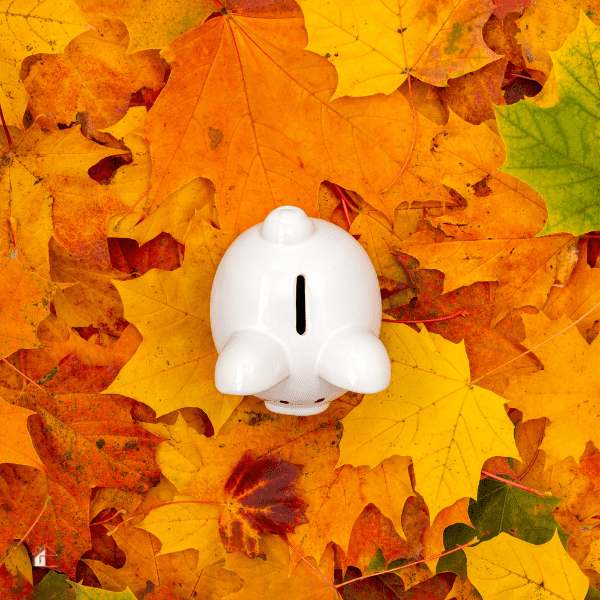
(319, 400)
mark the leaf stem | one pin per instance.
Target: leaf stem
(23, 375)
(310, 565)
(456, 314)
(515, 484)
(118, 221)
(473, 541)
(345, 203)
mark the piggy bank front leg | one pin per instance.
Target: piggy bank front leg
(250, 362)
(355, 359)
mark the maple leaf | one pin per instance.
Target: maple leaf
(92, 76)
(526, 570)
(499, 205)
(271, 578)
(560, 161)
(286, 135)
(526, 268)
(83, 441)
(27, 28)
(432, 412)
(334, 498)
(565, 391)
(174, 366)
(153, 24)
(24, 302)
(259, 497)
(375, 44)
(44, 185)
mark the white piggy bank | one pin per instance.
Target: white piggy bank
(295, 313)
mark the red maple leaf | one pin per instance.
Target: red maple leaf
(260, 497)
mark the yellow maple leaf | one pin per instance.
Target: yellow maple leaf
(508, 567)
(269, 579)
(24, 302)
(565, 391)
(174, 366)
(374, 44)
(432, 412)
(45, 186)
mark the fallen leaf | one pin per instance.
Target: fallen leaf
(562, 171)
(374, 44)
(507, 564)
(281, 144)
(259, 497)
(432, 412)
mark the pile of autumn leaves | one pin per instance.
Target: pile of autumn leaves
(121, 196)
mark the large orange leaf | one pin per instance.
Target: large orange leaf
(526, 268)
(83, 440)
(248, 108)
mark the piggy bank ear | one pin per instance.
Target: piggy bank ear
(250, 362)
(355, 359)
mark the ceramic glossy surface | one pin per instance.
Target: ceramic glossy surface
(295, 312)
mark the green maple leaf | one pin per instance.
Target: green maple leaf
(555, 149)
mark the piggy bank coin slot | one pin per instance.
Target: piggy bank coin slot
(300, 305)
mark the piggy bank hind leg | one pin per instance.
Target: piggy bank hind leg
(250, 362)
(355, 359)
